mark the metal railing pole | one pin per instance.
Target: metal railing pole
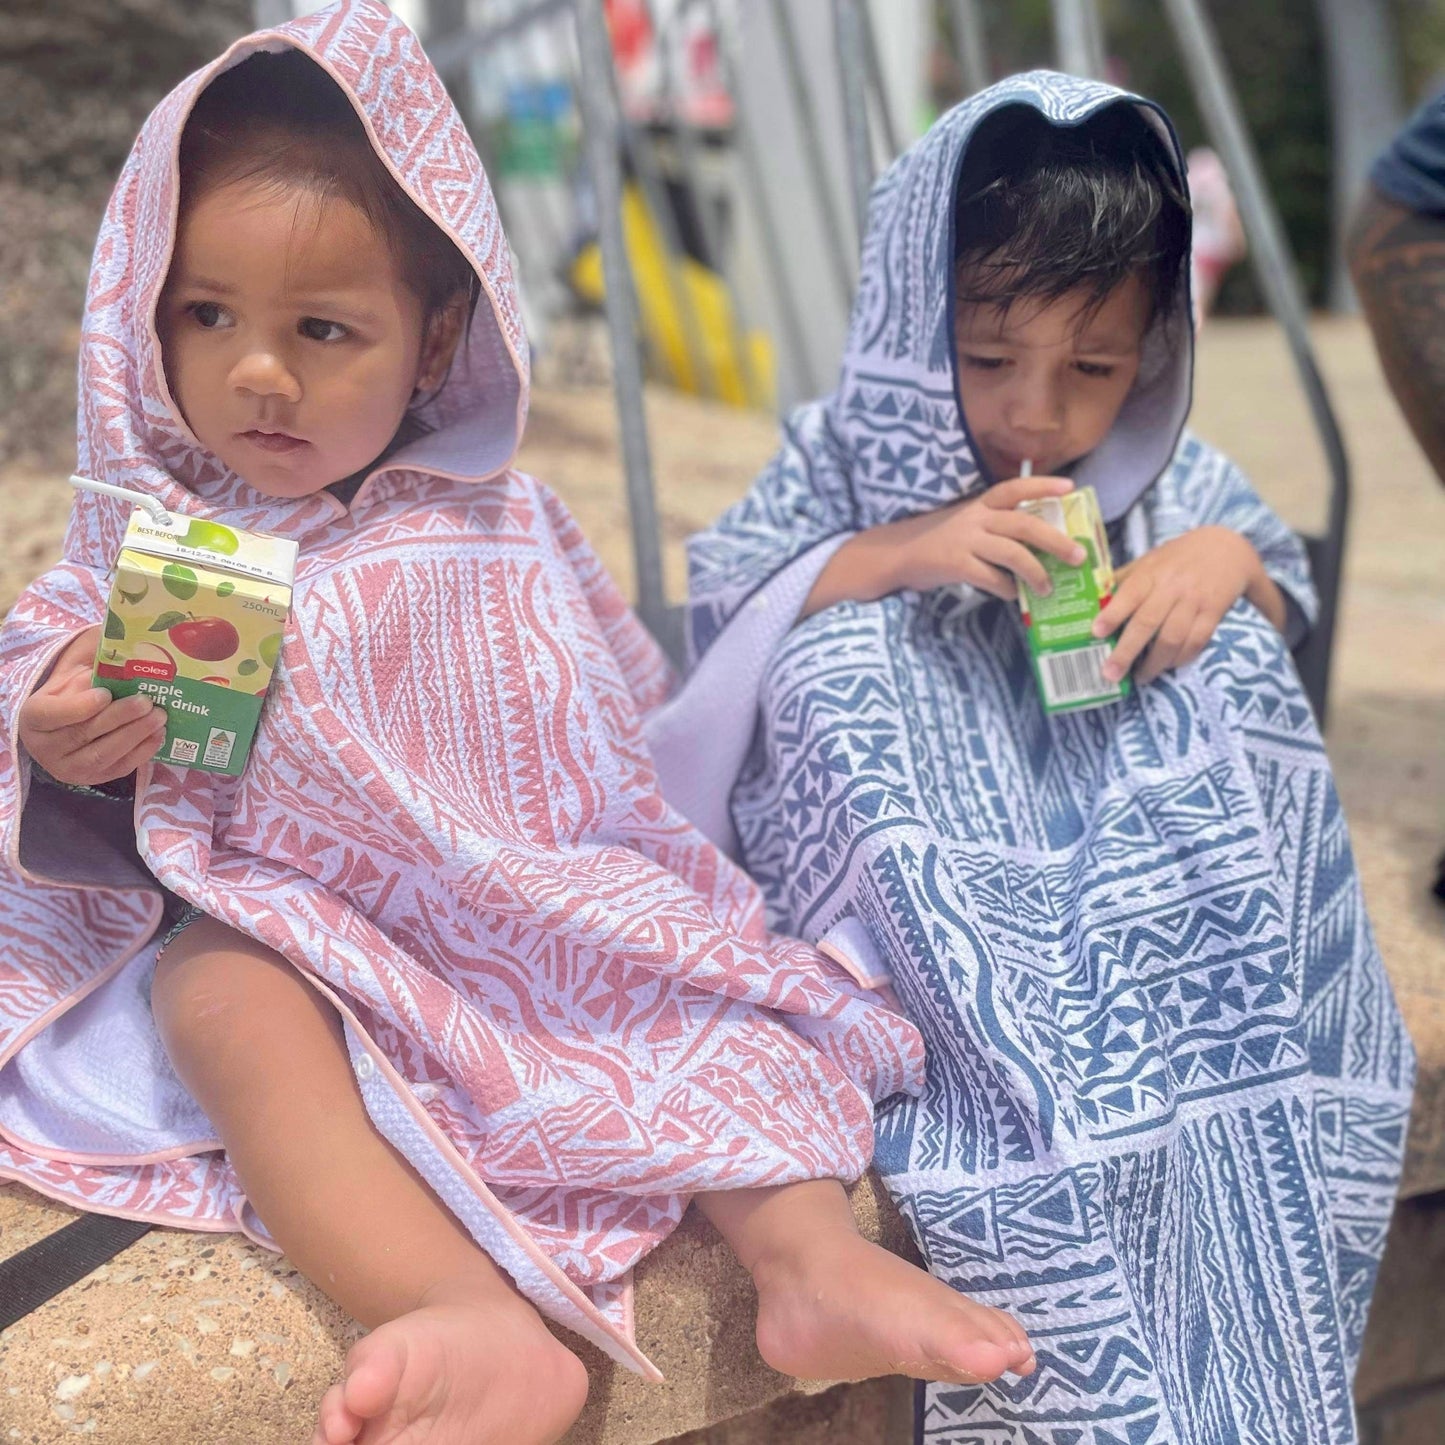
(601, 127)
(892, 140)
(848, 33)
(814, 158)
(1273, 266)
(1079, 37)
(971, 43)
(756, 189)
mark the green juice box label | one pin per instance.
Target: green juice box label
(1068, 659)
(196, 617)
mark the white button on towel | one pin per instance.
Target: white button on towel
(365, 1066)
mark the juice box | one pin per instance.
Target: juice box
(197, 612)
(1067, 657)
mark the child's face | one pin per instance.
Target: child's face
(1044, 382)
(291, 344)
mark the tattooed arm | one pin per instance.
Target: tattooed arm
(1397, 258)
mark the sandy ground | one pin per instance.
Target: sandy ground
(186, 1336)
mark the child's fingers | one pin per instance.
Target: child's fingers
(1015, 558)
(1167, 649)
(143, 752)
(1036, 533)
(1129, 596)
(121, 713)
(104, 757)
(1199, 636)
(993, 580)
(1005, 496)
(51, 709)
(1137, 633)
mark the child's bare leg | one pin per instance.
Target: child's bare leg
(458, 1355)
(832, 1306)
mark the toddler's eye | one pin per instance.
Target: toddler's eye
(1094, 368)
(983, 363)
(209, 315)
(315, 329)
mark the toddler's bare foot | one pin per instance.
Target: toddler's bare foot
(456, 1373)
(844, 1309)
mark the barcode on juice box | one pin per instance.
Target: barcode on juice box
(1076, 676)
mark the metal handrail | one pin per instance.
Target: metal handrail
(804, 106)
(600, 126)
(1079, 37)
(848, 34)
(1275, 271)
(751, 164)
(970, 42)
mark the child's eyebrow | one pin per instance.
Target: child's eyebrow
(321, 301)
(204, 283)
(1106, 346)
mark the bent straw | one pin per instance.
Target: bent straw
(158, 513)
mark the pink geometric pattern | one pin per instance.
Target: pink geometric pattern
(451, 821)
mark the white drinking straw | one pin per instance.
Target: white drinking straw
(158, 513)
(1027, 467)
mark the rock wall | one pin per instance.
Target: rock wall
(77, 78)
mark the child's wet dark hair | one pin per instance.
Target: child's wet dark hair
(280, 119)
(1044, 211)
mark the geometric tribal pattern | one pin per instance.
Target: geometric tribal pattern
(1167, 1084)
(450, 822)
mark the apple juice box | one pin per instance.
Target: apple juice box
(1067, 657)
(197, 611)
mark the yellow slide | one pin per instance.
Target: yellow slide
(736, 380)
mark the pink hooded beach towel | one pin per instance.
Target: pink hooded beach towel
(560, 999)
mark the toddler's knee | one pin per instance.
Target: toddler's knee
(207, 995)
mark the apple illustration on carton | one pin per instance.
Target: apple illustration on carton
(196, 620)
(207, 639)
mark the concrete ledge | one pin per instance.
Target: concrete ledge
(205, 1338)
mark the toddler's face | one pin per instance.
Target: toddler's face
(291, 344)
(1045, 381)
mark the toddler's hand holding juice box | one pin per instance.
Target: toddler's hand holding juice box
(1067, 657)
(196, 617)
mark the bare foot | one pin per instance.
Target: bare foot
(845, 1309)
(456, 1373)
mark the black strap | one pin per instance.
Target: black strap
(59, 1260)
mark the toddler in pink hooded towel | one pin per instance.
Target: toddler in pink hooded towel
(440, 995)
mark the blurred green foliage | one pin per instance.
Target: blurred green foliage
(1421, 26)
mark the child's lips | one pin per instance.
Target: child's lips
(273, 441)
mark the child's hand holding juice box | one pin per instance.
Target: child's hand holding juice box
(196, 617)
(1067, 657)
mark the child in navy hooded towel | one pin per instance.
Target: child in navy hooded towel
(1168, 1086)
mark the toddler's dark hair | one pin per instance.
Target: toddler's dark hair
(1044, 211)
(279, 117)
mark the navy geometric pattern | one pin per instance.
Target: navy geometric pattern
(1168, 1085)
